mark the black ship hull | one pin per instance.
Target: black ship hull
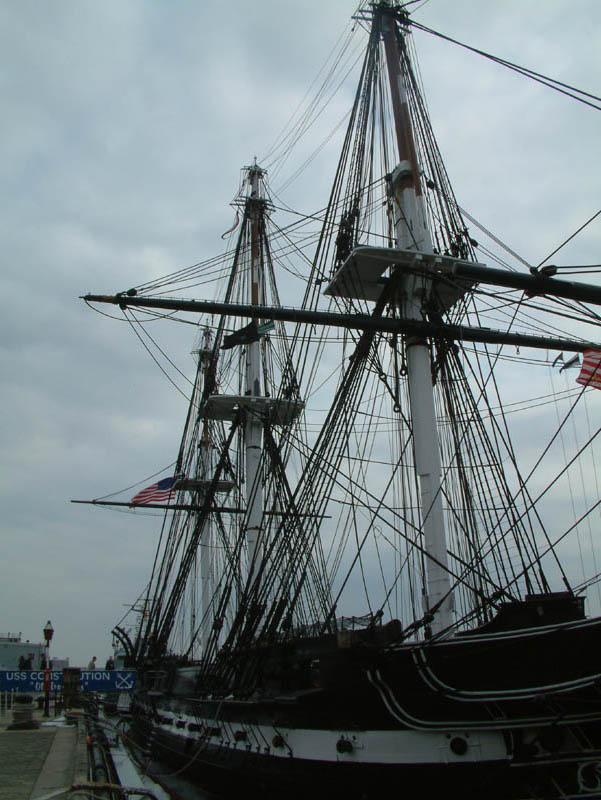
(366, 717)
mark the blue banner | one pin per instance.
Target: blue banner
(31, 680)
(107, 680)
(97, 680)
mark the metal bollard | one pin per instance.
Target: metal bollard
(23, 714)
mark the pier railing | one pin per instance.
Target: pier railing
(7, 700)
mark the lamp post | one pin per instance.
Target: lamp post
(48, 633)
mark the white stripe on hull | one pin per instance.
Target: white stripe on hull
(369, 747)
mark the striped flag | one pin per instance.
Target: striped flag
(590, 374)
(160, 492)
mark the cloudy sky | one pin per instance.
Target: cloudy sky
(125, 124)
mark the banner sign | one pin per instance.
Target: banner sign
(30, 680)
(90, 680)
(107, 680)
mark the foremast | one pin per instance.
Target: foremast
(222, 459)
(253, 443)
(253, 408)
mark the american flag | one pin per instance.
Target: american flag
(160, 492)
(590, 374)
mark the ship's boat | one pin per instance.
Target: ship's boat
(358, 585)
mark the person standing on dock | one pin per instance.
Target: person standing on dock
(92, 664)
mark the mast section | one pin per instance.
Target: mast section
(412, 233)
(204, 474)
(253, 430)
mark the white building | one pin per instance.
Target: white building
(12, 647)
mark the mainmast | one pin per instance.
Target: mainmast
(412, 233)
(411, 268)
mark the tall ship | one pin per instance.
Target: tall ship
(357, 584)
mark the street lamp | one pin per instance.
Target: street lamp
(48, 634)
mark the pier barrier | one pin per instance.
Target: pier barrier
(7, 699)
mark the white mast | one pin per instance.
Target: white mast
(412, 233)
(254, 406)
(253, 431)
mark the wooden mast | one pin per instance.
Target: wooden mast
(253, 429)
(412, 233)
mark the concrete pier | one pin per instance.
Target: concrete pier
(39, 762)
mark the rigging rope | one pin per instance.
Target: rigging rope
(558, 86)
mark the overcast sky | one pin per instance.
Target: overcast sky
(125, 124)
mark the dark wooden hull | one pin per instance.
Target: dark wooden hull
(227, 771)
(513, 714)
